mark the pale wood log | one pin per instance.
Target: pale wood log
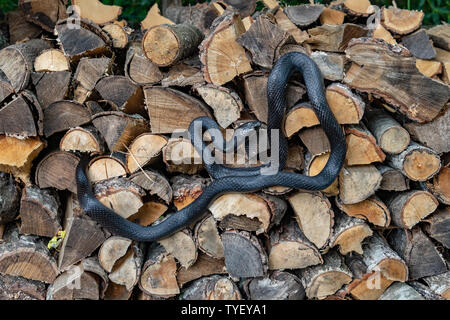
(371, 209)
(358, 183)
(334, 38)
(440, 284)
(104, 168)
(145, 149)
(362, 147)
(207, 237)
(204, 266)
(401, 21)
(212, 288)
(139, 69)
(182, 247)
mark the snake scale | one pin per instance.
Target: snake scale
(236, 179)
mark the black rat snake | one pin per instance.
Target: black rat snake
(236, 179)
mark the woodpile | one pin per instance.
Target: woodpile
(380, 231)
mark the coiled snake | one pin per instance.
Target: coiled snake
(236, 179)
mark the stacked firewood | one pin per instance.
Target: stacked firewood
(81, 81)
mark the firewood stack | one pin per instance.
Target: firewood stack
(88, 83)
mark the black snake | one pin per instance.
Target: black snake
(232, 179)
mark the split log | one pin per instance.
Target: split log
(117, 292)
(443, 56)
(316, 163)
(279, 285)
(416, 162)
(26, 256)
(371, 209)
(287, 25)
(439, 186)
(165, 45)
(139, 69)
(437, 226)
(370, 56)
(44, 13)
(150, 212)
(440, 284)
(375, 270)
(349, 233)
(440, 36)
(158, 277)
(362, 147)
(183, 75)
(325, 279)
(18, 288)
(304, 15)
(120, 195)
(16, 61)
(95, 40)
(245, 8)
(26, 125)
(229, 208)
(244, 255)
(119, 129)
(409, 208)
(317, 143)
(112, 250)
(334, 38)
(174, 103)
(89, 72)
(40, 212)
(118, 35)
(332, 16)
(358, 183)
(51, 60)
(17, 155)
(127, 96)
(393, 180)
(182, 247)
(204, 266)
(401, 21)
(19, 28)
(85, 140)
(179, 155)
(144, 150)
(255, 86)
(419, 253)
(208, 239)
(295, 159)
(290, 249)
(432, 134)
(358, 7)
(419, 45)
(222, 57)
(105, 167)
(212, 288)
(381, 33)
(263, 39)
(10, 199)
(57, 170)
(83, 235)
(400, 291)
(390, 135)
(330, 64)
(127, 270)
(424, 291)
(63, 115)
(51, 86)
(227, 104)
(201, 15)
(429, 68)
(154, 183)
(154, 18)
(314, 216)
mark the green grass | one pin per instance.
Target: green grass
(134, 11)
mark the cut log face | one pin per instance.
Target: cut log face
(174, 103)
(290, 249)
(212, 288)
(44, 13)
(180, 156)
(438, 226)
(370, 56)
(139, 69)
(279, 285)
(359, 7)
(18, 288)
(381, 33)
(332, 16)
(40, 212)
(400, 291)
(26, 256)
(204, 266)
(324, 280)
(371, 209)
(222, 57)
(89, 72)
(419, 45)
(416, 162)
(287, 25)
(51, 60)
(82, 140)
(401, 21)
(154, 183)
(358, 183)
(25, 126)
(440, 186)
(315, 165)
(250, 206)
(143, 150)
(57, 170)
(331, 64)
(316, 141)
(186, 189)
(128, 268)
(362, 147)
(112, 250)
(208, 238)
(104, 168)
(419, 253)
(117, 34)
(409, 208)
(314, 216)
(167, 44)
(51, 87)
(63, 115)
(154, 18)
(304, 15)
(440, 36)
(244, 256)
(182, 247)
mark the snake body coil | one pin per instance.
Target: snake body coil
(237, 180)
